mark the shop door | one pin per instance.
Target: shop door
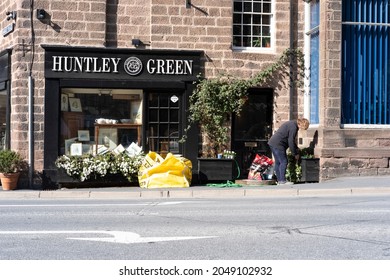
(252, 129)
(163, 122)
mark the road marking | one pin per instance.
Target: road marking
(123, 237)
(370, 211)
(71, 205)
(171, 202)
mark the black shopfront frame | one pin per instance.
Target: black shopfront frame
(85, 67)
(5, 82)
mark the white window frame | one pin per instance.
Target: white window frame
(307, 51)
(270, 49)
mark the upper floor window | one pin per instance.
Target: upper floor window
(252, 24)
(313, 60)
(365, 62)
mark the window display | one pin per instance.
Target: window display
(94, 121)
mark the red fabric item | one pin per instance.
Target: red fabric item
(259, 165)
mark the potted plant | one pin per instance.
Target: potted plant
(11, 164)
(92, 168)
(294, 169)
(306, 169)
(310, 166)
(217, 169)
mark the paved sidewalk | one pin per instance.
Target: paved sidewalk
(341, 186)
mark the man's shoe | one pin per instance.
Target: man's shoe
(284, 183)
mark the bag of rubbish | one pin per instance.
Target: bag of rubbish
(168, 172)
(261, 164)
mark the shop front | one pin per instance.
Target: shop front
(99, 100)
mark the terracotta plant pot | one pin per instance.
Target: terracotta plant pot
(9, 181)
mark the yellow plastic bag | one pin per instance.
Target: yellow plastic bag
(171, 172)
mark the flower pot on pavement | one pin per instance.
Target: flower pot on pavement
(214, 169)
(11, 163)
(310, 169)
(9, 181)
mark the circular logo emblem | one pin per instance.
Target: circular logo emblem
(133, 66)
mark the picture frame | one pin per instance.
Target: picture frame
(68, 143)
(83, 135)
(87, 149)
(136, 111)
(119, 149)
(108, 137)
(75, 105)
(76, 149)
(101, 149)
(64, 102)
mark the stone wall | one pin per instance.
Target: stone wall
(207, 26)
(74, 23)
(344, 151)
(159, 24)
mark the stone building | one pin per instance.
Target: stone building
(64, 64)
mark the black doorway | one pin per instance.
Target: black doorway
(252, 129)
(163, 122)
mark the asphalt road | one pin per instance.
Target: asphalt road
(274, 228)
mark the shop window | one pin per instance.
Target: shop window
(96, 121)
(252, 24)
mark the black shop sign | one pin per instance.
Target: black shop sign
(121, 64)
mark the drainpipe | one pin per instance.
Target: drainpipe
(306, 100)
(30, 130)
(292, 85)
(31, 103)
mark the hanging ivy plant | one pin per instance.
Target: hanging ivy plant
(214, 100)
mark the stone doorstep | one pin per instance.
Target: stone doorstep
(247, 182)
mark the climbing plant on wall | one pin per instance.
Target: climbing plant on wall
(214, 100)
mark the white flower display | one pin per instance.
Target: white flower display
(229, 154)
(93, 167)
